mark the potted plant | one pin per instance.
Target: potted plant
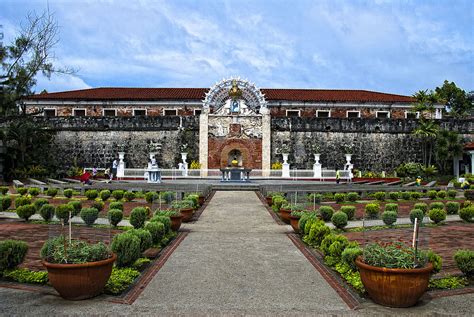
(185, 207)
(175, 216)
(295, 219)
(76, 269)
(285, 211)
(394, 274)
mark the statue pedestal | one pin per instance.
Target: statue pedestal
(317, 170)
(285, 171)
(154, 175)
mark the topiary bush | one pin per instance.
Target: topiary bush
(437, 205)
(77, 205)
(52, 192)
(22, 201)
(452, 193)
(415, 195)
(437, 215)
(38, 203)
(315, 197)
(138, 217)
(465, 261)
(391, 207)
(146, 241)
(339, 220)
(278, 201)
(115, 216)
(116, 205)
(165, 220)
(339, 197)
(12, 253)
(304, 219)
(394, 195)
(99, 205)
(353, 196)
(104, 194)
(435, 259)
(406, 195)
(3, 190)
(416, 213)
(47, 212)
(22, 190)
(349, 211)
(168, 197)
(150, 197)
(469, 194)
(129, 196)
(380, 196)
(441, 194)
(34, 191)
(89, 215)
(92, 194)
(68, 193)
(5, 202)
(63, 211)
(26, 211)
(467, 213)
(326, 212)
(127, 248)
(432, 194)
(157, 231)
(389, 217)
(372, 210)
(117, 194)
(421, 206)
(315, 232)
(349, 255)
(452, 207)
(332, 247)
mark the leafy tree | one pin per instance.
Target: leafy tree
(457, 100)
(427, 130)
(448, 147)
(425, 101)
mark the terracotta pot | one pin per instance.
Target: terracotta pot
(201, 200)
(80, 281)
(285, 215)
(176, 222)
(294, 222)
(269, 200)
(187, 214)
(394, 287)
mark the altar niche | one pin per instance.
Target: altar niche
(234, 158)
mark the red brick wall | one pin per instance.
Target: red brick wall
(219, 149)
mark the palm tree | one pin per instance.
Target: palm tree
(427, 130)
(448, 148)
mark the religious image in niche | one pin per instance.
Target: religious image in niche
(235, 162)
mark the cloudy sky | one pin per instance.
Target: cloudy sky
(391, 46)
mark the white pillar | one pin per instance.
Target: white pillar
(203, 140)
(317, 170)
(472, 161)
(266, 141)
(286, 166)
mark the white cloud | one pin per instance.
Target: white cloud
(60, 82)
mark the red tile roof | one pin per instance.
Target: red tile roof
(142, 94)
(469, 146)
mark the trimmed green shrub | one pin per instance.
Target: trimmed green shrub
(326, 212)
(394, 195)
(39, 203)
(34, 191)
(339, 197)
(52, 192)
(349, 255)
(68, 193)
(120, 280)
(452, 193)
(315, 197)
(116, 205)
(3, 190)
(129, 196)
(435, 259)
(89, 215)
(372, 210)
(22, 201)
(6, 202)
(150, 197)
(432, 194)
(26, 211)
(421, 206)
(391, 207)
(166, 221)
(99, 205)
(194, 198)
(406, 195)
(12, 253)
(127, 248)
(469, 194)
(117, 194)
(77, 205)
(389, 217)
(146, 241)
(441, 194)
(333, 245)
(157, 230)
(437, 205)
(349, 211)
(353, 196)
(63, 211)
(92, 194)
(467, 214)
(138, 217)
(339, 220)
(452, 207)
(380, 196)
(168, 197)
(316, 231)
(115, 216)
(415, 195)
(465, 261)
(104, 194)
(304, 219)
(47, 212)
(278, 201)
(22, 190)
(416, 213)
(437, 215)
(328, 197)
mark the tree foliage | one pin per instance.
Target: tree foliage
(458, 102)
